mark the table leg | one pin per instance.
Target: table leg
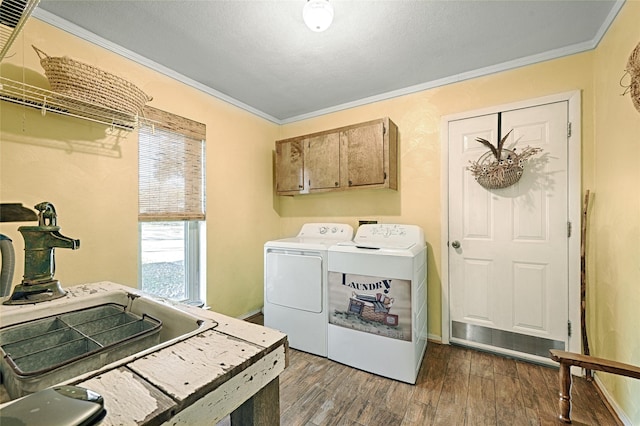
(565, 393)
(262, 409)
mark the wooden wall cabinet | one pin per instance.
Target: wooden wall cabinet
(359, 156)
(289, 166)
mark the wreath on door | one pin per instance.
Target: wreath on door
(500, 167)
(633, 70)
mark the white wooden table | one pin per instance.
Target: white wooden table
(231, 369)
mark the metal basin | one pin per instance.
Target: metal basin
(43, 352)
(49, 343)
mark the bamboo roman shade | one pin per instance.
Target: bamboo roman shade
(171, 168)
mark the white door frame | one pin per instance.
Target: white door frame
(574, 197)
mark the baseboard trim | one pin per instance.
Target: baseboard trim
(250, 315)
(434, 338)
(615, 410)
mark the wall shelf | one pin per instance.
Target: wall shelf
(48, 101)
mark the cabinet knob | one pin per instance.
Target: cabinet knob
(300, 186)
(350, 183)
(336, 183)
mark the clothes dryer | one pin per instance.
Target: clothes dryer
(377, 301)
(295, 284)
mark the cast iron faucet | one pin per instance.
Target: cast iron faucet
(39, 244)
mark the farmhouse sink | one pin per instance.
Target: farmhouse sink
(89, 329)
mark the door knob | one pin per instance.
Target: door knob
(455, 244)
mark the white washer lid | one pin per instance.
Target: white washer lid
(393, 245)
(391, 236)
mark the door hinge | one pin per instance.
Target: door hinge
(569, 328)
(568, 229)
(384, 129)
(569, 129)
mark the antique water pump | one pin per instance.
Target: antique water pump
(40, 242)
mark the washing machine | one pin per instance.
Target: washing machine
(378, 301)
(295, 284)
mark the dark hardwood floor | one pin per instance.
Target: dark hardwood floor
(455, 386)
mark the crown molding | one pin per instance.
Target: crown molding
(80, 32)
(521, 62)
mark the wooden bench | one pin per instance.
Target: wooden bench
(567, 359)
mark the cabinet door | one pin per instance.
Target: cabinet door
(323, 161)
(289, 166)
(365, 154)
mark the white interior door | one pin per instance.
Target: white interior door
(508, 279)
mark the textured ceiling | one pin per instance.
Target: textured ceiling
(260, 56)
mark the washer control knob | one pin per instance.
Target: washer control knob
(323, 230)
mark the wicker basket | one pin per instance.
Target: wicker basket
(502, 174)
(368, 312)
(90, 84)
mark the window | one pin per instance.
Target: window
(171, 211)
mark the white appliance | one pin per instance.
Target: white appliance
(295, 284)
(378, 301)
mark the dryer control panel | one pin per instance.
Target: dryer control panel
(338, 231)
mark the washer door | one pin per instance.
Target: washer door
(294, 281)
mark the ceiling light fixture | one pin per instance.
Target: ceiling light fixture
(317, 14)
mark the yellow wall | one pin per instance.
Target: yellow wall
(418, 117)
(614, 237)
(45, 158)
(90, 175)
